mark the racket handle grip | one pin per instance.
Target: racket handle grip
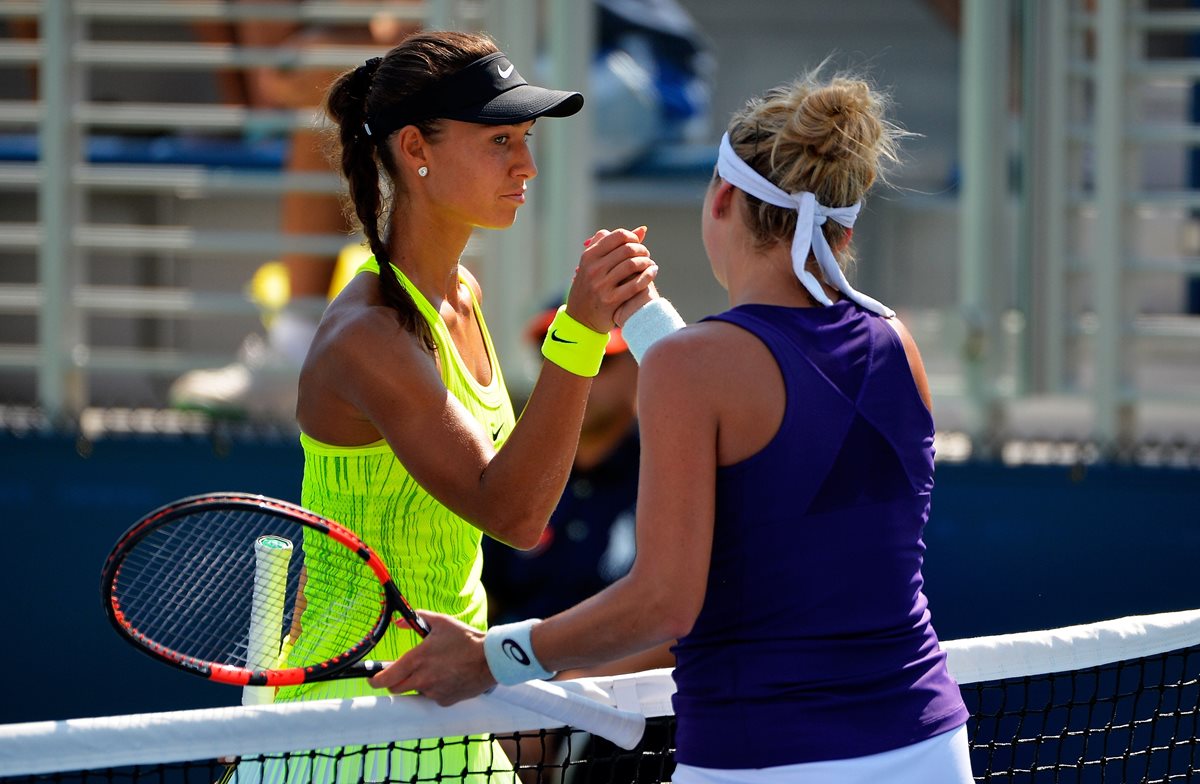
(624, 728)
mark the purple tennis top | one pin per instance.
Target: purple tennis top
(814, 641)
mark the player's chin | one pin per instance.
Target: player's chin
(501, 220)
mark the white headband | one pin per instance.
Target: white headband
(809, 219)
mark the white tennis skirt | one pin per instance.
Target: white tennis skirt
(942, 759)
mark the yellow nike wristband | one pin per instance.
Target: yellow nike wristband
(572, 346)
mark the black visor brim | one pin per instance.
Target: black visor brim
(520, 104)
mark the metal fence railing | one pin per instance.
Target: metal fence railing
(151, 206)
(120, 271)
(1100, 266)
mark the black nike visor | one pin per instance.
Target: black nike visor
(489, 91)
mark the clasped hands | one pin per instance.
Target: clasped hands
(614, 278)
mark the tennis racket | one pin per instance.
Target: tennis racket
(255, 592)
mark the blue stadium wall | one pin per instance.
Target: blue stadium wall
(1010, 549)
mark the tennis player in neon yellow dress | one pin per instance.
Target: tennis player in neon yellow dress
(402, 404)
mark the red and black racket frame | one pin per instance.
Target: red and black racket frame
(345, 665)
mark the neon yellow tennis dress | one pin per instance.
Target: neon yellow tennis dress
(434, 555)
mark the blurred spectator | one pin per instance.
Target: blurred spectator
(651, 79)
(291, 290)
(588, 544)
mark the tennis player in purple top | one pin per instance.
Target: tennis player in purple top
(786, 472)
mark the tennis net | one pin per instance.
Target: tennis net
(1115, 701)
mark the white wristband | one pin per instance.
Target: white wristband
(656, 319)
(509, 652)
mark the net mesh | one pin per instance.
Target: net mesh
(1129, 721)
(1117, 701)
(564, 755)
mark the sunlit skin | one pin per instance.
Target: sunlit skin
(366, 379)
(696, 413)
(477, 173)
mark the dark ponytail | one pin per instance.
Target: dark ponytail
(365, 204)
(419, 60)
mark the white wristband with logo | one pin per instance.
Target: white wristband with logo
(509, 651)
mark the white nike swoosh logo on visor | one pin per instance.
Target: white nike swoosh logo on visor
(505, 72)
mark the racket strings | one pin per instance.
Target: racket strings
(342, 600)
(190, 582)
(206, 579)
(196, 588)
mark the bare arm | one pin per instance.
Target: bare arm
(383, 375)
(651, 659)
(661, 597)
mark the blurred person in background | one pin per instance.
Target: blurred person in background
(589, 540)
(652, 79)
(588, 544)
(292, 290)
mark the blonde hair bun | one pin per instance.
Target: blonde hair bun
(829, 137)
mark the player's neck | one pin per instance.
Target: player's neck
(428, 249)
(772, 282)
(431, 269)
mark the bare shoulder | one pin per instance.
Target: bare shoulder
(360, 359)
(700, 344)
(472, 283)
(711, 387)
(364, 333)
(902, 331)
(677, 352)
(697, 358)
(915, 363)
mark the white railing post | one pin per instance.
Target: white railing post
(1112, 167)
(439, 14)
(984, 204)
(61, 389)
(511, 271)
(566, 191)
(1045, 210)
